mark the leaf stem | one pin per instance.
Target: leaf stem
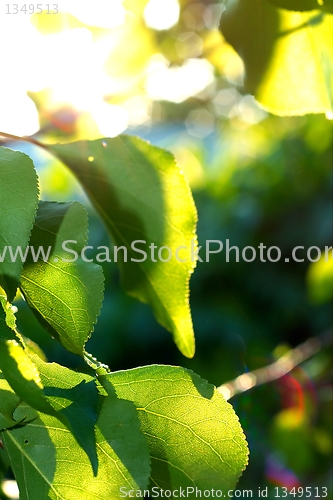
(276, 370)
(100, 368)
(24, 138)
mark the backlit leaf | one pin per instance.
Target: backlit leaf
(288, 55)
(74, 395)
(64, 291)
(194, 436)
(45, 452)
(141, 194)
(7, 320)
(8, 402)
(55, 390)
(23, 375)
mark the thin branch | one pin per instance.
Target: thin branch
(277, 369)
(30, 139)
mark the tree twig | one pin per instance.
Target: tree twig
(277, 369)
(30, 139)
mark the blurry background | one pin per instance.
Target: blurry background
(161, 70)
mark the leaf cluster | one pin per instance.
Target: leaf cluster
(93, 433)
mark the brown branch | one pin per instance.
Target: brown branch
(277, 369)
(30, 139)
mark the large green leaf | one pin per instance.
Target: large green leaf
(194, 436)
(66, 296)
(288, 55)
(48, 463)
(55, 390)
(141, 194)
(18, 205)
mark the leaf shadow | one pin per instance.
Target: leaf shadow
(37, 451)
(47, 229)
(111, 186)
(80, 414)
(120, 425)
(205, 389)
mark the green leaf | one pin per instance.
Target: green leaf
(141, 194)
(8, 329)
(74, 395)
(48, 463)
(64, 291)
(288, 55)
(8, 402)
(55, 390)
(22, 375)
(194, 436)
(57, 223)
(7, 320)
(19, 200)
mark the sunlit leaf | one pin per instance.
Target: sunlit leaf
(18, 205)
(7, 320)
(65, 291)
(45, 452)
(8, 402)
(23, 375)
(74, 395)
(8, 329)
(194, 436)
(288, 55)
(141, 195)
(55, 390)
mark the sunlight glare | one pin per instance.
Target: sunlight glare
(10, 489)
(18, 114)
(101, 13)
(250, 111)
(177, 84)
(72, 68)
(161, 14)
(138, 109)
(75, 72)
(111, 120)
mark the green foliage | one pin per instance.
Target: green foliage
(91, 433)
(141, 194)
(287, 54)
(70, 433)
